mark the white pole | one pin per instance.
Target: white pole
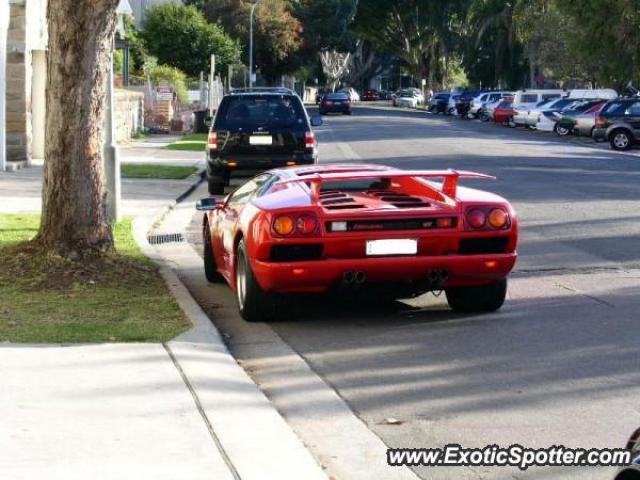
(253, 9)
(111, 157)
(212, 72)
(4, 25)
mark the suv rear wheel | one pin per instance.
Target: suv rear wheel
(216, 185)
(620, 139)
(485, 298)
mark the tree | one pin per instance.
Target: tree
(327, 33)
(74, 218)
(276, 32)
(181, 37)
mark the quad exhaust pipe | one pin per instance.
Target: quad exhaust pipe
(351, 278)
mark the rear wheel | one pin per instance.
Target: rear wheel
(254, 303)
(485, 298)
(562, 131)
(620, 140)
(216, 184)
(484, 116)
(210, 270)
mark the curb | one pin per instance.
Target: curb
(251, 436)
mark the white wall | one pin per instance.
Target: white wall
(4, 25)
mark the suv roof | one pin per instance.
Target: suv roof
(261, 90)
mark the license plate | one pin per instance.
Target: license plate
(392, 247)
(261, 140)
(337, 103)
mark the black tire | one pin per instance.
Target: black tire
(254, 303)
(216, 185)
(486, 298)
(484, 116)
(621, 139)
(210, 271)
(561, 131)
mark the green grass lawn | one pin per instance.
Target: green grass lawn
(48, 299)
(160, 172)
(196, 142)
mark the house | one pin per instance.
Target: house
(140, 8)
(23, 73)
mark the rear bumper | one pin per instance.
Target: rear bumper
(600, 133)
(319, 276)
(221, 165)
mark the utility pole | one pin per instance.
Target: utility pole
(252, 79)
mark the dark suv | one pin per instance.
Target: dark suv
(619, 123)
(255, 131)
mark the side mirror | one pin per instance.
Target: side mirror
(316, 121)
(208, 121)
(208, 204)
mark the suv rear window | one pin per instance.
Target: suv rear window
(615, 107)
(264, 110)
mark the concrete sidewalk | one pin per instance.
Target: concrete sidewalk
(181, 410)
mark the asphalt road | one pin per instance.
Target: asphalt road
(558, 365)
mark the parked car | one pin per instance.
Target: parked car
(619, 123)
(335, 103)
(451, 105)
(370, 96)
(631, 471)
(580, 123)
(564, 119)
(488, 110)
(463, 103)
(418, 94)
(300, 230)
(258, 130)
(439, 102)
(524, 100)
(478, 103)
(503, 112)
(353, 95)
(407, 98)
(555, 104)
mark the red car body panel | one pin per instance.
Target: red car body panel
(501, 114)
(295, 193)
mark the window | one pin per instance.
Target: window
(633, 109)
(265, 110)
(549, 96)
(249, 189)
(529, 98)
(615, 108)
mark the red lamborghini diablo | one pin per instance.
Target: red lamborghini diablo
(308, 229)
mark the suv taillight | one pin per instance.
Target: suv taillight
(212, 141)
(309, 142)
(599, 121)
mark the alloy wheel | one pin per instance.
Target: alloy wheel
(241, 281)
(621, 140)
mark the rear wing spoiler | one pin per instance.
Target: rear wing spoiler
(449, 186)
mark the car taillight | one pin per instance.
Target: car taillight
(487, 218)
(306, 224)
(328, 102)
(599, 121)
(498, 218)
(476, 218)
(212, 141)
(283, 225)
(309, 142)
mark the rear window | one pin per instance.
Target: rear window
(260, 110)
(549, 96)
(442, 96)
(505, 104)
(337, 96)
(615, 107)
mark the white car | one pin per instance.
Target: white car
(546, 121)
(407, 98)
(418, 94)
(479, 101)
(553, 104)
(353, 95)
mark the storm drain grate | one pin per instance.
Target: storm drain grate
(165, 238)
